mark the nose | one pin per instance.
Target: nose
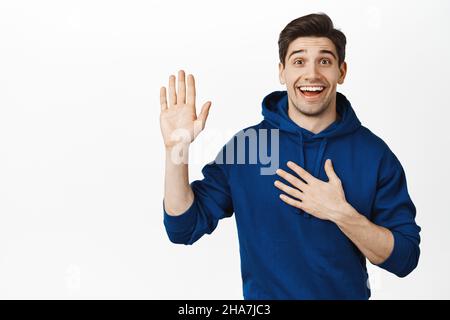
(311, 72)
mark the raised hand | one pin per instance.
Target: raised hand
(178, 120)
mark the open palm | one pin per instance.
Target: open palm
(179, 121)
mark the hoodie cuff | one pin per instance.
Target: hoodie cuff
(395, 263)
(182, 222)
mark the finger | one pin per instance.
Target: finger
(289, 190)
(190, 99)
(204, 112)
(329, 170)
(305, 175)
(296, 182)
(181, 98)
(292, 202)
(172, 92)
(163, 98)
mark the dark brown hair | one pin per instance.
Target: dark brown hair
(312, 25)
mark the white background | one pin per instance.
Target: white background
(81, 156)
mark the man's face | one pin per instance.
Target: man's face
(311, 74)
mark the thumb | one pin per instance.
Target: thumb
(204, 113)
(199, 124)
(329, 170)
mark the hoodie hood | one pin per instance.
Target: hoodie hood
(275, 112)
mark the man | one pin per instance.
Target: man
(338, 197)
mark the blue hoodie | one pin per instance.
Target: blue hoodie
(285, 252)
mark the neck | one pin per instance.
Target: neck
(316, 123)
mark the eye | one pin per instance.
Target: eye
(327, 61)
(298, 61)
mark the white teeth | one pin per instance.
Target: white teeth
(311, 88)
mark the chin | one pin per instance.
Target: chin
(310, 111)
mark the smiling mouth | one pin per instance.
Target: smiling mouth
(311, 91)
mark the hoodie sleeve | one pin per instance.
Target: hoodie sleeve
(212, 202)
(394, 210)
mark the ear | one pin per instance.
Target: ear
(343, 72)
(281, 73)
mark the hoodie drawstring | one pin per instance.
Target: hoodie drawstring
(302, 152)
(317, 165)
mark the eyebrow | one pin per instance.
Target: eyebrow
(321, 51)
